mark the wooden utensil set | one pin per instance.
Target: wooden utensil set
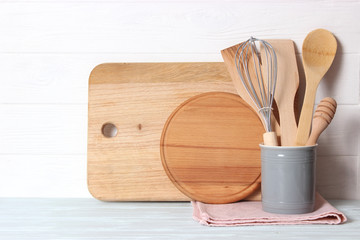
(209, 145)
(319, 50)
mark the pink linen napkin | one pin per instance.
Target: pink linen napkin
(251, 213)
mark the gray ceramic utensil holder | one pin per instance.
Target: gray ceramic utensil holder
(288, 179)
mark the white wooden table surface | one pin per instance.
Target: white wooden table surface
(86, 218)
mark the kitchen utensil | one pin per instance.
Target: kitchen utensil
(228, 55)
(130, 103)
(287, 84)
(209, 148)
(323, 115)
(258, 75)
(319, 49)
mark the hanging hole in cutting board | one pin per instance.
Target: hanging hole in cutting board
(109, 130)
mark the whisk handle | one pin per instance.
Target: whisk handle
(270, 138)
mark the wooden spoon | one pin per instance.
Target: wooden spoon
(323, 115)
(319, 49)
(286, 88)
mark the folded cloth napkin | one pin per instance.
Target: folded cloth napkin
(251, 213)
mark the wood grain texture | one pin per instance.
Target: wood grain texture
(323, 116)
(138, 98)
(210, 148)
(319, 49)
(287, 84)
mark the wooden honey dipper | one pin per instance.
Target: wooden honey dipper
(323, 115)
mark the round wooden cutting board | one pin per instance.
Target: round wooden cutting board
(210, 148)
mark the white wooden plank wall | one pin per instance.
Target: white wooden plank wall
(48, 48)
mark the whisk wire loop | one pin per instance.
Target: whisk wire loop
(260, 90)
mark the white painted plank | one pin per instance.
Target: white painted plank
(337, 176)
(171, 27)
(341, 82)
(63, 78)
(342, 135)
(43, 176)
(43, 129)
(44, 78)
(91, 219)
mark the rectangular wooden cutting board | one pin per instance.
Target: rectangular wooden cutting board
(138, 98)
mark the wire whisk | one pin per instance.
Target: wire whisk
(258, 73)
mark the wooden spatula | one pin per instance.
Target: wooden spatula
(286, 88)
